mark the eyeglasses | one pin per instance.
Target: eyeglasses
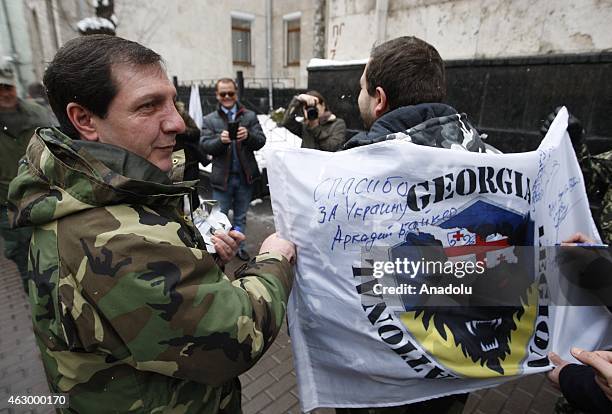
(224, 94)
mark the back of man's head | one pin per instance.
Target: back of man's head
(81, 72)
(409, 70)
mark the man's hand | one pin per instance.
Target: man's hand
(559, 363)
(273, 243)
(576, 238)
(226, 245)
(242, 134)
(601, 362)
(308, 100)
(574, 126)
(225, 138)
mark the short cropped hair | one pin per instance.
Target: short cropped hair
(409, 70)
(225, 80)
(81, 72)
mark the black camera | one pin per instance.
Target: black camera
(312, 113)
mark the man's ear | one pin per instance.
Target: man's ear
(82, 121)
(382, 105)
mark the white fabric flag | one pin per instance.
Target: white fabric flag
(195, 105)
(357, 347)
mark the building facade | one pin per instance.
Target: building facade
(471, 29)
(31, 31)
(205, 40)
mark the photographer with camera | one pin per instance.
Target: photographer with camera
(320, 129)
(231, 135)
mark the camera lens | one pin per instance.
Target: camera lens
(312, 113)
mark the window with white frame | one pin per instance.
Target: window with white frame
(292, 41)
(241, 41)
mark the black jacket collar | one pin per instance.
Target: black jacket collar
(399, 120)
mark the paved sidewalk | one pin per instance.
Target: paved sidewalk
(269, 387)
(21, 371)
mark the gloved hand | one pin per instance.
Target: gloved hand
(574, 126)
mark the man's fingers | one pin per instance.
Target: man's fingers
(556, 359)
(591, 358)
(578, 238)
(237, 236)
(227, 240)
(224, 252)
(553, 377)
(605, 355)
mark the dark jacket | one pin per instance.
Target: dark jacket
(431, 124)
(16, 129)
(210, 143)
(189, 141)
(581, 391)
(329, 135)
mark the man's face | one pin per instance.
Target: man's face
(142, 117)
(8, 97)
(366, 102)
(226, 94)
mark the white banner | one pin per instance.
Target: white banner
(195, 105)
(355, 346)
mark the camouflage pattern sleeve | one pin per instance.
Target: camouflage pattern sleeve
(602, 163)
(132, 286)
(597, 173)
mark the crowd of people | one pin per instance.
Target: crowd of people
(131, 311)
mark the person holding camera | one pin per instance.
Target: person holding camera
(231, 134)
(320, 129)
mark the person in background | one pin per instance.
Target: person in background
(309, 117)
(130, 311)
(597, 173)
(586, 387)
(18, 120)
(403, 86)
(189, 141)
(234, 168)
(36, 93)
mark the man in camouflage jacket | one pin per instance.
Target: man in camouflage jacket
(130, 312)
(18, 120)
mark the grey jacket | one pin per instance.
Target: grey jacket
(210, 143)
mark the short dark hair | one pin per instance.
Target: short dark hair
(409, 70)
(81, 72)
(225, 80)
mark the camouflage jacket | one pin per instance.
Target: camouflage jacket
(16, 129)
(597, 173)
(130, 312)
